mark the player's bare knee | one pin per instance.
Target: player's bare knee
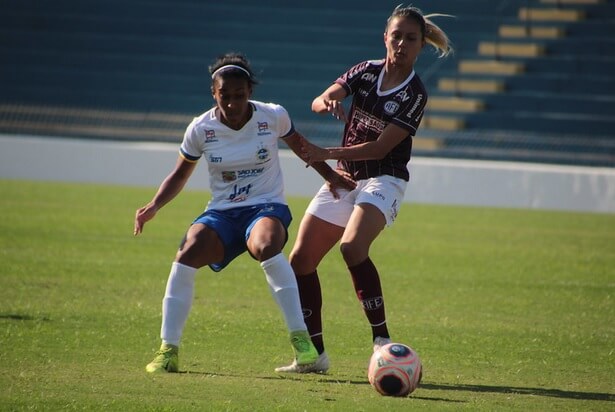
(301, 262)
(352, 253)
(264, 251)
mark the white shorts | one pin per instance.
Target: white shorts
(385, 192)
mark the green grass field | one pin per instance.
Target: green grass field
(509, 310)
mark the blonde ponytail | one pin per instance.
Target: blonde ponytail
(435, 36)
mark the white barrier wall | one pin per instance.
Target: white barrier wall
(433, 181)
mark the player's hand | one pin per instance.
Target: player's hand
(143, 215)
(340, 180)
(311, 153)
(336, 108)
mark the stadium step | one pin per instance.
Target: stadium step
(443, 123)
(524, 31)
(470, 86)
(550, 14)
(423, 143)
(491, 67)
(510, 49)
(455, 104)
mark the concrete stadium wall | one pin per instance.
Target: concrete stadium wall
(433, 181)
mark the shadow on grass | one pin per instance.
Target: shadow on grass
(555, 393)
(322, 378)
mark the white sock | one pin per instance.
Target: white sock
(283, 287)
(177, 302)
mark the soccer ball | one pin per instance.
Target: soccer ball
(394, 370)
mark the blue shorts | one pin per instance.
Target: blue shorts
(233, 226)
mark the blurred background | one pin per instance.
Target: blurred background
(530, 80)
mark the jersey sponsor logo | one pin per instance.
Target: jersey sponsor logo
(403, 96)
(363, 92)
(369, 121)
(210, 136)
(240, 193)
(378, 195)
(417, 103)
(215, 159)
(391, 107)
(249, 172)
(370, 77)
(232, 175)
(229, 176)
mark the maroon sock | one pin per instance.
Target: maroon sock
(367, 285)
(311, 304)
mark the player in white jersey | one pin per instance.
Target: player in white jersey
(238, 138)
(244, 166)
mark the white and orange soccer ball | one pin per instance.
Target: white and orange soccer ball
(394, 370)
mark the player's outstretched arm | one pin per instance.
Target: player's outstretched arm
(336, 179)
(169, 188)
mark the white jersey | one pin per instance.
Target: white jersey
(244, 166)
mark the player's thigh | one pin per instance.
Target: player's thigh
(314, 240)
(200, 247)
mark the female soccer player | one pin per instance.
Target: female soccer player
(247, 211)
(388, 100)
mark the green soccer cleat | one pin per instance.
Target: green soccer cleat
(305, 352)
(166, 360)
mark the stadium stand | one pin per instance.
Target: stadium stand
(530, 80)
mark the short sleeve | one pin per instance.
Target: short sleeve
(285, 125)
(190, 148)
(350, 80)
(410, 118)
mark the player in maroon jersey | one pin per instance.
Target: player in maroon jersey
(388, 100)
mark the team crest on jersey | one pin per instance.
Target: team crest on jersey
(263, 128)
(229, 176)
(210, 136)
(262, 154)
(391, 107)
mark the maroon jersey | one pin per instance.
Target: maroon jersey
(372, 110)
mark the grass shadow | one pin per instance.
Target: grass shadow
(556, 393)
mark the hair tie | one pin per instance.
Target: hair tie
(228, 67)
